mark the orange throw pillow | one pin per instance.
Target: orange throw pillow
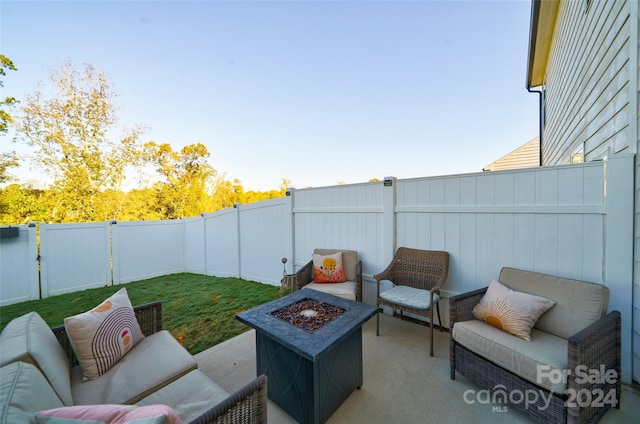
(328, 268)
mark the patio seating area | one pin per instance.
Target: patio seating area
(402, 384)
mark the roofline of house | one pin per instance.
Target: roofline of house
(543, 22)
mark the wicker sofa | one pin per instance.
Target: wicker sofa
(40, 372)
(568, 372)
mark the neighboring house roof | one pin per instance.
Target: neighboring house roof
(525, 156)
(543, 22)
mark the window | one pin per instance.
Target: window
(578, 155)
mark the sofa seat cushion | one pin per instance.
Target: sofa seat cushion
(409, 297)
(24, 391)
(514, 354)
(190, 396)
(345, 290)
(29, 339)
(152, 364)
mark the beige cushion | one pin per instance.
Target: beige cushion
(346, 290)
(29, 339)
(189, 396)
(349, 261)
(103, 335)
(328, 268)
(578, 303)
(24, 391)
(152, 364)
(515, 354)
(511, 311)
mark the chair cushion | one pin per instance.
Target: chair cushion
(103, 335)
(152, 364)
(578, 303)
(328, 268)
(29, 339)
(409, 297)
(345, 290)
(190, 396)
(515, 354)
(349, 261)
(106, 414)
(24, 391)
(511, 311)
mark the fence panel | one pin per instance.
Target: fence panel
(194, 245)
(265, 238)
(345, 217)
(74, 257)
(19, 267)
(147, 249)
(541, 219)
(222, 254)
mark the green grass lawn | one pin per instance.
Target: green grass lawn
(199, 308)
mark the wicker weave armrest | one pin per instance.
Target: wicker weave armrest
(247, 406)
(149, 317)
(597, 347)
(461, 306)
(304, 275)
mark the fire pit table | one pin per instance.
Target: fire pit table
(309, 344)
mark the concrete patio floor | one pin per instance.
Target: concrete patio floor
(402, 384)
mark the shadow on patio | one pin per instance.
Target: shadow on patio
(402, 384)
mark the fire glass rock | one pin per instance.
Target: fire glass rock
(297, 314)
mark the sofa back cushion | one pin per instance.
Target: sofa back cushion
(349, 261)
(29, 339)
(578, 303)
(23, 392)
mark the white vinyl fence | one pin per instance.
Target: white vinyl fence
(574, 221)
(74, 257)
(19, 267)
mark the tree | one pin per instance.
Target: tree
(7, 159)
(70, 132)
(187, 178)
(5, 117)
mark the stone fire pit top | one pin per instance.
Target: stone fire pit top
(305, 343)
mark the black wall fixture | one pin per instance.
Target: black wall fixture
(8, 232)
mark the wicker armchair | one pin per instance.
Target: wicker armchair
(247, 405)
(418, 276)
(351, 289)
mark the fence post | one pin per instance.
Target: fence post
(109, 247)
(290, 265)
(34, 280)
(618, 255)
(388, 219)
(44, 269)
(115, 253)
(236, 206)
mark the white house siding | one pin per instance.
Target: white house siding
(592, 98)
(588, 87)
(525, 156)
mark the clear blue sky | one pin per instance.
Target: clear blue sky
(317, 92)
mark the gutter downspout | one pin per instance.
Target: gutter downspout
(535, 16)
(539, 93)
